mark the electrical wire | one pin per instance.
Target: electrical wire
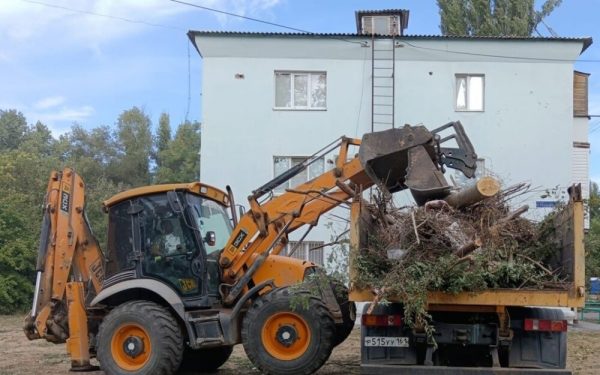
(362, 43)
(103, 15)
(189, 83)
(260, 21)
(496, 56)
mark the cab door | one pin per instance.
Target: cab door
(171, 252)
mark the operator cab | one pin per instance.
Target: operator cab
(171, 233)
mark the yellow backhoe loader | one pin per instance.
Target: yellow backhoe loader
(182, 280)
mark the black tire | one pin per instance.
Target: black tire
(205, 360)
(125, 322)
(348, 309)
(314, 321)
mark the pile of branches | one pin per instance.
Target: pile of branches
(435, 247)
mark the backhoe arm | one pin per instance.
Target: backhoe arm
(395, 159)
(69, 268)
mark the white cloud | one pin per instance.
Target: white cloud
(57, 117)
(49, 102)
(22, 21)
(66, 114)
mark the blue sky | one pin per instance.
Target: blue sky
(63, 66)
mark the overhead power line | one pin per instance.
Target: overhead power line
(493, 55)
(362, 43)
(240, 16)
(260, 21)
(81, 11)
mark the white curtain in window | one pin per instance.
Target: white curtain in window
(280, 165)
(301, 177)
(318, 90)
(461, 92)
(283, 94)
(316, 169)
(300, 90)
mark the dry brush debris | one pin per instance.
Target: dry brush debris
(436, 247)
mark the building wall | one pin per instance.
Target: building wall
(525, 133)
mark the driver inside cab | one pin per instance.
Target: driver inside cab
(167, 243)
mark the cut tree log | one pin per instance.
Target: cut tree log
(468, 248)
(484, 188)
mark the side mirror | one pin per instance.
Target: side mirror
(210, 238)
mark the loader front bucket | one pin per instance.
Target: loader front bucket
(404, 158)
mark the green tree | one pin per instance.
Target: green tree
(592, 237)
(179, 161)
(13, 127)
(163, 137)
(23, 184)
(38, 140)
(92, 153)
(134, 145)
(492, 17)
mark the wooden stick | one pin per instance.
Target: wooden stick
(376, 300)
(414, 223)
(484, 188)
(536, 263)
(513, 215)
(468, 248)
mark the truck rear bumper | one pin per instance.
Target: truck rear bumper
(377, 369)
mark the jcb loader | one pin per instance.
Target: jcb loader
(142, 310)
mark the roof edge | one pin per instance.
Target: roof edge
(192, 37)
(587, 41)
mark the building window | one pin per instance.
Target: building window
(307, 250)
(300, 90)
(469, 92)
(283, 163)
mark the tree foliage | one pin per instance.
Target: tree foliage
(109, 158)
(492, 17)
(592, 238)
(177, 162)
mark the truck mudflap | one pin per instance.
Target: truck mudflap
(425, 370)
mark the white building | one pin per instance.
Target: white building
(271, 98)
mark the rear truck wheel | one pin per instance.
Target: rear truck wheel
(282, 340)
(205, 360)
(348, 309)
(140, 337)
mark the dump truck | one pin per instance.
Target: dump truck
(183, 279)
(493, 331)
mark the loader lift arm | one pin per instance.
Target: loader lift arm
(396, 159)
(69, 269)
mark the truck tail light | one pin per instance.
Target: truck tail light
(381, 320)
(545, 325)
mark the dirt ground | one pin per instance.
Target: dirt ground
(18, 356)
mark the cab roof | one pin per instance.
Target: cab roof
(206, 191)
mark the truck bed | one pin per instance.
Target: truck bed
(569, 232)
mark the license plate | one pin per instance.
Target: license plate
(394, 342)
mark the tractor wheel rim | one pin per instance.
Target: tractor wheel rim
(131, 347)
(286, 336)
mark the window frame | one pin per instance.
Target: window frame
(288, 182)
(292, 106)
(306, 247)
(467, 77)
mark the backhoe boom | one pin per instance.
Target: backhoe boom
(69, 269)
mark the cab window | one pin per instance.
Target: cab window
(211, 217)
